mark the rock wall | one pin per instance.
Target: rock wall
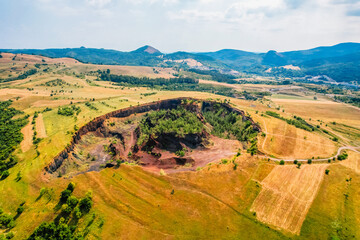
(121, 113)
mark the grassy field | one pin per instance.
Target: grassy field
(216, 202)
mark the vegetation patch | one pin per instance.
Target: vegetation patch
(298, 122)
(178, 122)
(55, 83)
(65, 225)
(173, 84)
(69, 111)
(10, 135)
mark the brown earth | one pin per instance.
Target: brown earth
(28, 134)
(40, 126)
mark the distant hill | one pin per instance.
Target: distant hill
(147, 49)
(273, 58)
(340, 62)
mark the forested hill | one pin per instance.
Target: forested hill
(340, 62)
(144, 56)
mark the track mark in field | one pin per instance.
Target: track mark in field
(40, 126)
(121, 209)
(27, 131)
(287, 194)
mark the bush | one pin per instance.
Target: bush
(5, 174)
(20, 210)
(10, 235)
(180, 153)
(342, 156)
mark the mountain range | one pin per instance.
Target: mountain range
(340, 62)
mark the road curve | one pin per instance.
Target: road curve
(355, 149)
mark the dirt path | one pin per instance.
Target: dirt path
(40, 127)
(355, 149)
(27, 131)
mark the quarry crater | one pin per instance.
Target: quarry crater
(174, 135)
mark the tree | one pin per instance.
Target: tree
(282, 162)
(72, 201)
(327, 171)
(295, 162)
(71, 186)
(65, 195)
(309, 161)
(85, 204)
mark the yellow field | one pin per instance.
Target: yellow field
(353, 161)
(286, 141)
(217, 201)
(287, 194)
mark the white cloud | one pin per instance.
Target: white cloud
(98, 3)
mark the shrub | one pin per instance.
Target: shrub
(10, 235)
(162, 172)
(5, 174)
(342, 156)
(180, 153)
(224, 161)
(20, 210)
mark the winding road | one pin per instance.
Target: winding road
(355, 149)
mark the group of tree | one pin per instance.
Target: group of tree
(353, 100)
(69, 111)
(172, 84)
(65, 226)
(21, 76)
(216, 75)
(178, 122)
(298, 122)
(10, 135)
(228, 124)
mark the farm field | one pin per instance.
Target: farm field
(237, 195)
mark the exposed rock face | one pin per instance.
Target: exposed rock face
(163, 141)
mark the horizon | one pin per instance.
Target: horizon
(163, 52)
(173, 25)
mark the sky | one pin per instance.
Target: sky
(174, 25)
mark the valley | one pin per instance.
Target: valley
(177, 157)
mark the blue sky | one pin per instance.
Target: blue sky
(171, 25)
